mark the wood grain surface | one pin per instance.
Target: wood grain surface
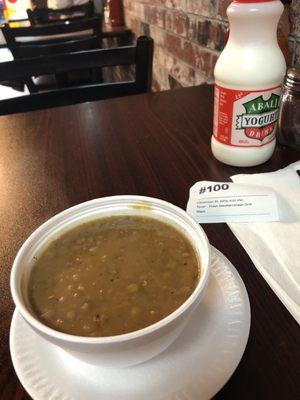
(155, 145)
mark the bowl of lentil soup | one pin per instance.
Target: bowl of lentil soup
(113, 280)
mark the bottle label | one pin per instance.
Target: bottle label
(245, 118)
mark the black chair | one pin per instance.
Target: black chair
(140, 55)
(56, 39)
(40, 16)
(61, 34)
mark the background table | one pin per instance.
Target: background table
(155, 145)
(121, 33)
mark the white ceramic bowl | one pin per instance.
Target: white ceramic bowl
(134, 347)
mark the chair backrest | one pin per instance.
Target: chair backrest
(70, 46)
(40, 16)
(56, 34)
(141, 55)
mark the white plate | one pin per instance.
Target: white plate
(194, 367)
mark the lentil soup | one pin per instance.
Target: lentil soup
(112, 276)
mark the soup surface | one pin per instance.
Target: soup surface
(112, 276)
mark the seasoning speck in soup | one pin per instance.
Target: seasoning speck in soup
(112, 276)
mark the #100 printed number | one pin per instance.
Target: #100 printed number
(214, 188)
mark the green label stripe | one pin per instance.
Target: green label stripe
(260, 106)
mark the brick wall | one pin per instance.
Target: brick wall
(294, 37)
(188, 37)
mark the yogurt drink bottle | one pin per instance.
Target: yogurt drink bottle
(248, 78)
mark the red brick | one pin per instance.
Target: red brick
(223, 4)
(210, 33)
(217, 35)
(134, 8)
(189, 54)
(187, 37)
(203, 31)
(184, 50)
(172, 4)
(177, 4)
(155, 85)
(207, 8)
(155, 15)
(177, 22)
(192, 27)
(160, 75)
(134, 24)
(206, 62)
(179, 70)
(199, 78)
(173, 45)
(129, 5)
(159, 56)
(139, 11)
(158, 35)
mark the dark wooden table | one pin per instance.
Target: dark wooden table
(22, 23)
(155, 145)
(108, 30)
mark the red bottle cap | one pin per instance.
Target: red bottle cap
(252, 1)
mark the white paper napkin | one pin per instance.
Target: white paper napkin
(274, 247)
